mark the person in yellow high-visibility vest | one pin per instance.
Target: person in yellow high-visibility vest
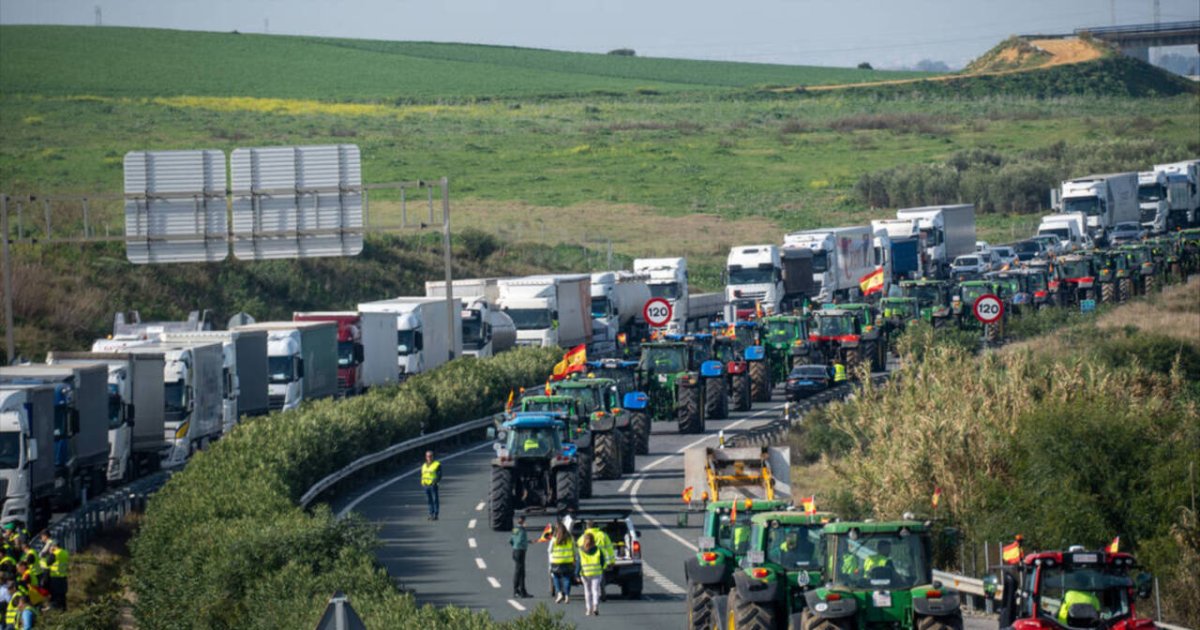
(839, 372)
(605, 544)
(591, 572)
(1076, 597)
(58, 576)
(431, 476)
(562, 563)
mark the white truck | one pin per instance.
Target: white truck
(549, 310)
(130, 325)
(80, 425)
(1105, 200)
(27, 454)
(667, 278)
(1183, 193)
(904, 248)
(422, 331)
(1069, 227)
(840, 259)
(364, 348)
(948, 232)
(753, 281)
(617, 301)
(243, 371)
(301, 361)
(135, 409)
(1153, 206)
(486, 330)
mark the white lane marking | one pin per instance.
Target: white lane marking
(625, 486)
(662, 580)
(494, 582)
(514, 604)
(481, 564)
(471, 524)
(364, 496)
(471, 543)
(479, 506)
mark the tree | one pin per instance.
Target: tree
(865, 66)
(623, 52)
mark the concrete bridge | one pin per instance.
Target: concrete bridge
(1136, 40)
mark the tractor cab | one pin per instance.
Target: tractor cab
(533, 436)
(1074, 589)
(672, 391)
(661, 358)
(619, 370)
(933, 298)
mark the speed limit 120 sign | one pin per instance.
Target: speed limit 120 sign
(988, 308)
(657, 312)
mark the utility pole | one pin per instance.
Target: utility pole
(99, 22)
(267, 26)
(1157, 12)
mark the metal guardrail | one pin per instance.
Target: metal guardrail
(77, 529)
(367, 461)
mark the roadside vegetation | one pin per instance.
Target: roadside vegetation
(1086, 433)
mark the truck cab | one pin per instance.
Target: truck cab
(1153, 207)
(754, 281)
(667, 278)
(26, 454)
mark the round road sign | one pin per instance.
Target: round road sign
(988, 308)
(657, 312)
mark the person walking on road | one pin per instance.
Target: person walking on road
(592, 561)
(431, 475)
(562, 563)
(520, 544)
(605, 544)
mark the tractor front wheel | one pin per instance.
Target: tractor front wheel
(700, 607)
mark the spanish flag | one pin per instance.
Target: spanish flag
(1011, 553)
(872, 282)
(509, 405)
(687, 494)
(1115, 545)
(573, 361)
(733, 513)
(809, 504)
(937, 497)
(546, 533)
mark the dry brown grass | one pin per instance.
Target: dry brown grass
(1175, 313)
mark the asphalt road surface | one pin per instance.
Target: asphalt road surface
(458, 560)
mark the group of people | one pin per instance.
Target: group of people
(33, 576)
(585, 557)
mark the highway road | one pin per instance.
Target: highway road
(458, 560)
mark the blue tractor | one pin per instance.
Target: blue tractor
(633, 401)
(533, 468)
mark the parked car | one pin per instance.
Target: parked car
(805, 380)
(1054, 245)
(1028, 250)
(982, 246)
(1005, 255)
(1127, 232)
(969, 266)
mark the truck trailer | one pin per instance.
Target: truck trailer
(486, 330)
(549, 310)
(947, 231)
(1105, 200)
(840, 258)
(27, 454)
(422, 331)
(364, 348)
(243, 372)
(301, 361)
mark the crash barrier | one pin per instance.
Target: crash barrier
(77, 529)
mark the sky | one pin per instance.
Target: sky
(885, 33)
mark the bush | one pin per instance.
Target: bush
(224, 544)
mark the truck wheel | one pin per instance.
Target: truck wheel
(947, 622)
(500, 506)
(740, 393)
(751, 615)
(691, 410)
(632, 589)
(640, 424)
(627, 452)
(608, 455)
(1107, 293)
(760, 382)
(715, 404)
(585, 474)
(700, 607)
(566, 492)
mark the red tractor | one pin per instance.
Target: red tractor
(1051, 590)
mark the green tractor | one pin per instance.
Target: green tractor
(624, 373)
(1142, 271)
(782, 566)
(785, 340)
(576, 430)
(963, 304)
(1189, 254)
(878, 575)
(895, 313)
(612, 433)
(724, 541)
(712, 373)
(933, 298)
(1010, 289)
(840, 335)
(1113, 276)
(673, 390)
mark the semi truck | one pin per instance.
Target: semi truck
(549, 310)
(1183, 192)
(947, 232)
(80, 425)
(135, 409)
(617, 301)
(840, 258)
(667, 278)
(905, 244)
(753, 281)
(1153, 206)
(1069, 227)
(422, 331)
(486, 330)
(301, 361)
(364, 348)
(243, 371)
(797, 278)
(1105, 200)
(27, 454)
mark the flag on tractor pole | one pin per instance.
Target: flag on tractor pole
(809, 504)
(1011, 553)
(937, 497)
(687, 494)
(872, 282)
(509, 405)
(546, 533)
(1115, 545)
(733, 513)
(548, 391)
(758, 310)
(573, 361)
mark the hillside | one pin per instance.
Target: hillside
(109, 61)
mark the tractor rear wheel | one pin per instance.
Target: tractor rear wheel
(813, 622)
(1125, 290)
(948, 622)
(851, 361)
(500, 499)
(991, 332)
(607, 455)
(691, 410)
(566, 488)
(760, 382)
(627, 451)
(1149, 285)
(1107, 293)
(740, 394)
(700, 607)
(751, 615)
(716, 403)
(585, 474)
(640, 424)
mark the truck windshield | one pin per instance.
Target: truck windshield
(751, 276)
(1087, 205)
(279, 369)
(599, 307)
(879, 561)
(174, 399)
(668, 291)
(530, 318)
(793, 546)
(406, 342)
(345, 353)
(1063, 234)
(1151, 193)
(820, 261)
(472, 333)
(1106, 590)
(10, 449)
(114, 407)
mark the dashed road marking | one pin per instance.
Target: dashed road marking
(515, 604)
(494, 582)
(625, 486)
(479, 506)
(481, 564)
(471, 543)
(471, 524)
(662, 580)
